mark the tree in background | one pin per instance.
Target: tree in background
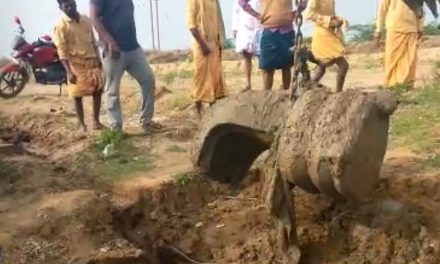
(360, 33)
(431, 29)
(364, 32)
(229, 44)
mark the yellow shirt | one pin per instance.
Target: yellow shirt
(320, 12)
(206, 16)
(397, 16)
(75, 40)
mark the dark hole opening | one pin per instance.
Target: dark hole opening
(230, 150)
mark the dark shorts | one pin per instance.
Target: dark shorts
(275, 53)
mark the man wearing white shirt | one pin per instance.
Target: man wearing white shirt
(246, 28)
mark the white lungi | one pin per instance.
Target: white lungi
(248, 28)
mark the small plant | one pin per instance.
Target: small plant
(185, 74)
(176, 148)
(432, 161)
(6, 169)
(400, 89)
(182, 179)
(108, 137)
(178, 102)
(169, 78)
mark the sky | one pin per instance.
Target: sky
(40, 16)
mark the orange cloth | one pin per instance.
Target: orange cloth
(75, 43)
(75, 40)
(208, 75)
(208, 83)
(402, 26)
(400, 58)
(89, 77)
(327, 43)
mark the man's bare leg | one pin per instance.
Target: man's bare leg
(79, 109)
(268, 79)
(287, 77)
(199, 108)
(97, 110)
(319, 73)
(342, 73)
(247, 62)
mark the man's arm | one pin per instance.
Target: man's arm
(381, 17)
(248, 8)
(96, 17)
(191, 20)
(61, 44)
(313, 14)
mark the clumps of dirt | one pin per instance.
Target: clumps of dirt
(203, 221)
(46, 135)
(70, 227)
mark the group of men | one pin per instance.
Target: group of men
(90, 68)
(261, 27)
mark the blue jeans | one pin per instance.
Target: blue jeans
(135, 63)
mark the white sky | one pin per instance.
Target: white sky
(39, 17)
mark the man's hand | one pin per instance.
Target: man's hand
(71, 77)
(234, 33)
(376, 35)
(205, 48)
(336, 23)
(294, 14)
(114, 50)
(259, 17)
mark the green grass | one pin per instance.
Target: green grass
(107, 137)
(176, 148)
(6, 170)
(369, 62)
(177, 102)
(169, 77)
(182, 179)
(124, 165)
(432, 161)
(123, 160)
(415, 125)
(185, 74)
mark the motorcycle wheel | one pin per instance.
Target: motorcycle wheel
(11, 83)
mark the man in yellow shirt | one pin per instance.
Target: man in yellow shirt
(78, 53)
(404, 27)
(205, 21)
(327, 41)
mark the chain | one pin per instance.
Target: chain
(300, 68)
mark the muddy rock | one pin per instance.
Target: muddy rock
(239, 129)
(336, 143)
(326, 143)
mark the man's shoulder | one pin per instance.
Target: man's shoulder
(62, 23)
(86, 19)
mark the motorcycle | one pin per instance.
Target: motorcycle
(39, 59)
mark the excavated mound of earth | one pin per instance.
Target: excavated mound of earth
(205, 222)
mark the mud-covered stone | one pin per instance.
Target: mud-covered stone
(236, 130)
(327, 143)
(335, 143)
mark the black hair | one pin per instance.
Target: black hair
(60, 2)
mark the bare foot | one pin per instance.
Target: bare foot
(82, 128)
(98, 126)
(247, 88)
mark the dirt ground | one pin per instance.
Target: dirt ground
(62, 202)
